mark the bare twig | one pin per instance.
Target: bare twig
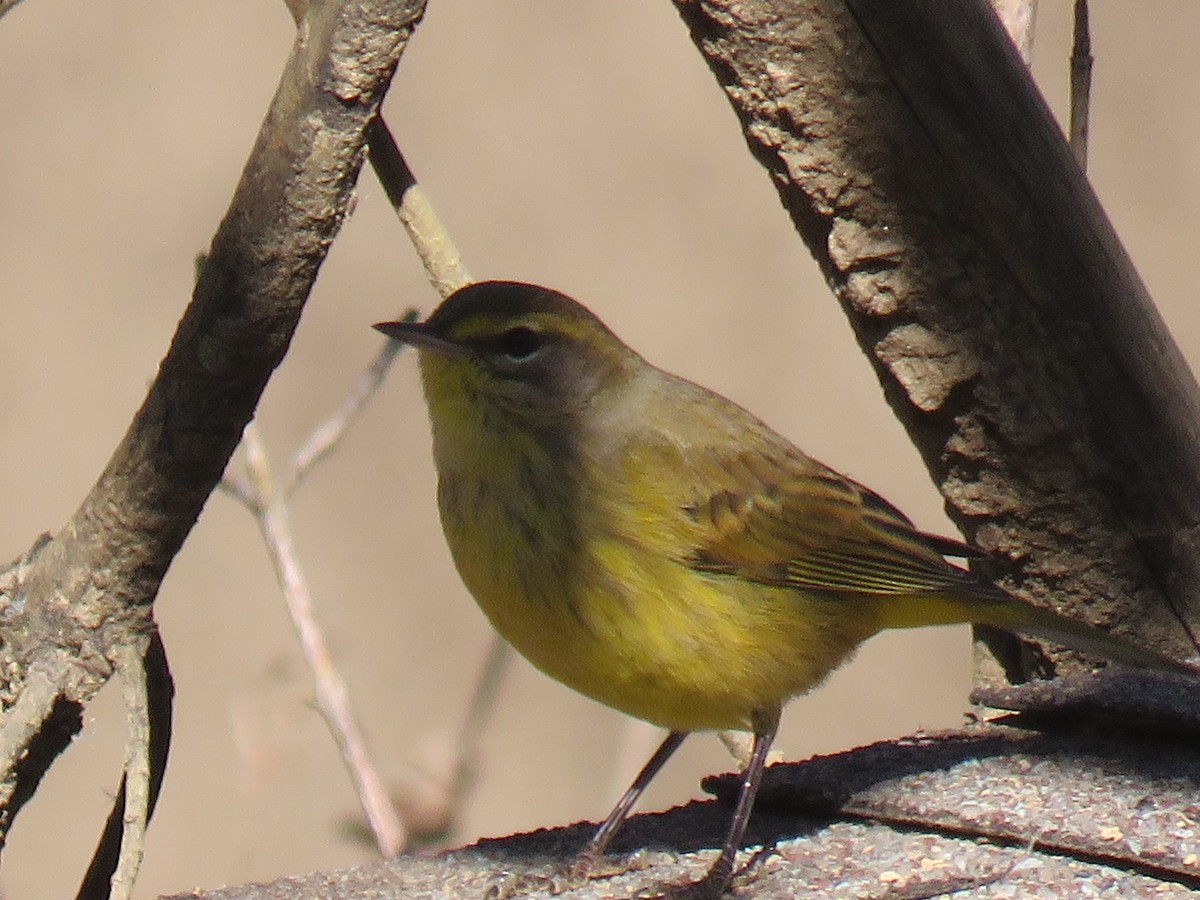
(257, 491)
(1081, 84)
(149, 693)
(137, 773)
(268, 504)
(483, 701)
(443, 263)
(326, 436)
(90, 590)
(7, 6)
(332, 696)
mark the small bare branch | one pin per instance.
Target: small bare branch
(149, 693)
(332, 695)
(7, 6)
(483, 701)
(257, 492)
(1081, 84)
(326, 436)
(137, 773)
(443, 263)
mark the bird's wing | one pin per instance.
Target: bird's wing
(790, 521)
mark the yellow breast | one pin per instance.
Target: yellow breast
(585, 577)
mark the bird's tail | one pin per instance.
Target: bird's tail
(990, 606)
(1039, 622)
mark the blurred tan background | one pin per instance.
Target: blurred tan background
(583, 145)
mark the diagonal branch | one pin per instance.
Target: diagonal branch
(149, 701)
(443, 263)
(89, 591)
(7, 6)
(1010, 331)
(332, 694)
(1081, 84)
(326, 436)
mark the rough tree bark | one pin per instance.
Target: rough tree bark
(74, 606)
(1008, 327)
(1021, 351)
(1006, 324)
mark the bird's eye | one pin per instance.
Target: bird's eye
(519, 344)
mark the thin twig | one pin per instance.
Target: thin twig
(259, 494)
(7, 6)
(443, 263)
(332, 696)
(1081, 84)
(150, 726)
(483, 701)
(267, 502)
(137, 771)
(23, 720)
(326, 436)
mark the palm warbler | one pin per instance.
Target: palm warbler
(656, 547)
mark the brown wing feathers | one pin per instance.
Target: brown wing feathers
(795, 523)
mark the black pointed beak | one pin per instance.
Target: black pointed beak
(419, 335)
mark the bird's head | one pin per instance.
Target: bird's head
(514, 349)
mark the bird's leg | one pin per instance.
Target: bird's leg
(605, 833)
(717, 879)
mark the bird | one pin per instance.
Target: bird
(658, 548)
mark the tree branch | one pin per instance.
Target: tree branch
(332, 695)
(1010, 331)
(7, 6)
(325, 438)
(89, 591)
(1081, 84)
(149, 692)
(443, 263)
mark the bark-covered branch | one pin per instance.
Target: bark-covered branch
(929, 815)
(88, 592)
(1011, 333)
(1007, 325)
(1025, 359)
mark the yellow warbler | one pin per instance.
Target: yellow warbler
(656, 547)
